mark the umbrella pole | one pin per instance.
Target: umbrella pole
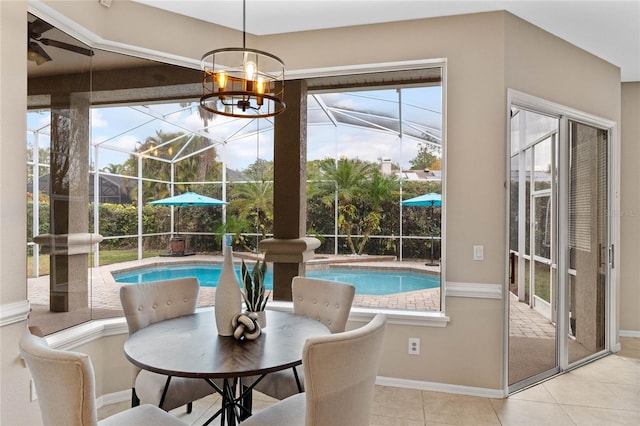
(431, 263)
(178, 222)
(177, 243)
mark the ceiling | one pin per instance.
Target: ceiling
(607, 29)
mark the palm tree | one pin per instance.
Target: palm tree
(341, 181)
(115, 169)
(208, 156)
(376, 191)
(186, 170)
(253, 200)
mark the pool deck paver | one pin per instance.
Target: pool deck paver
(105, 290)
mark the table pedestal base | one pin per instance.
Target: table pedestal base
(237, 401)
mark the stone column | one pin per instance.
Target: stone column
(69, 198)
(289, 248)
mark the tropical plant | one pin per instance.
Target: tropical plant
(253, 289)
(234, 225)
(341, 182)
(115, 169)
(254, 202)
(377, 190)
(204, 166)
(361, 192)
(158, 152)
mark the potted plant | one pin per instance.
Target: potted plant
(253, 290)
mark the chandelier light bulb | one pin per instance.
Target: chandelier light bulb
(250, 70)
(242, 82)
(260, 91)
(222, 80)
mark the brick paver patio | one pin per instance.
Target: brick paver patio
(105, 299)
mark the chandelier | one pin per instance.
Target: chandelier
(242, 82)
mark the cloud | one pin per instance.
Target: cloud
(127, 142)
(97, 119)
(361, 144)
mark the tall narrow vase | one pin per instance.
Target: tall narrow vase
(228, 297)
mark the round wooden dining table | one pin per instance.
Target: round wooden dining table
(189, 346)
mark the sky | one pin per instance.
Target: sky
(120, 129)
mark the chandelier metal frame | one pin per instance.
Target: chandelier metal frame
(242, 82)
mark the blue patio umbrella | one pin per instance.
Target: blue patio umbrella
(188, 199)
(431, 200)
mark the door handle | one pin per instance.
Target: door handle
(611, 254)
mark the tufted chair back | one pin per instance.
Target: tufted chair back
(340, 371)
(328, 302)
(322, 300)
(148, 303)
(64, 382)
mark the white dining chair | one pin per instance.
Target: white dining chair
(65, 385)
(340, 371)
(148, 303)
(328, 302)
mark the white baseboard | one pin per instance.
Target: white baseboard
(114, 398)
(629, 333)
(441, 387)
(125, 395)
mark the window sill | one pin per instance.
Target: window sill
(96, 329)
(396, 317)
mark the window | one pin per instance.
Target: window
(118, 132)
(368, 149)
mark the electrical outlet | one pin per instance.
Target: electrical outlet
(478, 252)
(414, 346)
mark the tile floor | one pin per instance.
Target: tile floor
(604, 392)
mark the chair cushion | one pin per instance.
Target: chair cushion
(288, 412)
(149, 387)
(281, 384)
(142, 415)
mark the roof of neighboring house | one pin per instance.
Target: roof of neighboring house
(426, 174)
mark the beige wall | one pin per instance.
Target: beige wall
(15, 408)
(483, 60)
(113, 371)
(542, 65)
(629, 275)
(533, 67)
(473, 48)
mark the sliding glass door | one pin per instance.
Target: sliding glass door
(533, 352)
(560, 254)
(589, 249)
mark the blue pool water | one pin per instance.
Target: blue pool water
(366, 281)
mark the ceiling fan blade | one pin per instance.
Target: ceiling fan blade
(36, 53)
(66, 46)
(37, 27)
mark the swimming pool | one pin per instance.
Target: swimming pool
(366, 281)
